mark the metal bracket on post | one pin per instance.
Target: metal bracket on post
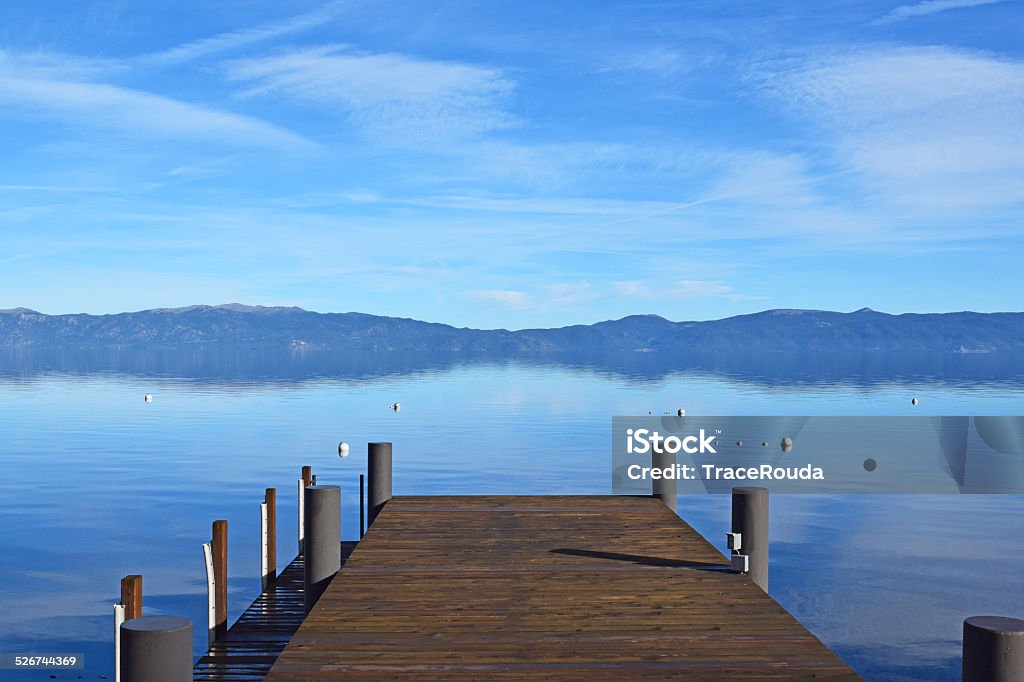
(740, 563)
(211, 594)
(302, 503)
(118, 619)
(735, 541)
(264, 563)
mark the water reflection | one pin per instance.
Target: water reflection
(98, 484)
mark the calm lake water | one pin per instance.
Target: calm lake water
(97, 484)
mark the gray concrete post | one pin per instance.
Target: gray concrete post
(378, 479)
(322, 518)
(665, 489)
(993, 649)
(156, 649)
(750, 520)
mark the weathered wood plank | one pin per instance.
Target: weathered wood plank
(566, 588)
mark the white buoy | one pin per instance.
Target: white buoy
(397, 407)
(342, 449)
(786, 444)
(680, 412)
(913, 401)
(149, 397)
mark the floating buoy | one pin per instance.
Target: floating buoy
(680, 412)
(342, 449)
(149, 398)
(764, 444)
(397, 407)
(786, 444)
(913, 401)
(739, 443)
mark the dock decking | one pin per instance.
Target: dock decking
(561, 588)
(261, 633)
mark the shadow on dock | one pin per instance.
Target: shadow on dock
(258, 637)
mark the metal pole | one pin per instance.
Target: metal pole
(323, 540)
(118, 619)
(302, 507)
(305, 481)
(362, 506)
(264, 566)
(379, 478)
(211, 595)
(993, 649)
(750, 522)
(156, 649)
(664, 488)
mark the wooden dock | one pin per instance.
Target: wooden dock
(559, 588)
(261, 633)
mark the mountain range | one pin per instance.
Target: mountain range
(783, 330)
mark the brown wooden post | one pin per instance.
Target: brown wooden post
(219, 547)
(307, 476)
(131, 596)
(270, 498)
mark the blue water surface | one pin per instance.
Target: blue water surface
(97, 484)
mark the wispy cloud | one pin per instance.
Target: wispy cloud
(78, 101)
(233, 40)
(680, 289)
(929, 127)
(557, 295)
(661, 60)
(920, 9)
(393, 97)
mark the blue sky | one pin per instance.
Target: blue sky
(512, 164)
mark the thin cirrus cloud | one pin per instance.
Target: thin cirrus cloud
(33, 84)
(556, 295)
(921, 9)
(392, 97)
(233, 40)
(924, 126)
(685, 289)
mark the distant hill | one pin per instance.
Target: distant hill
(263, 327)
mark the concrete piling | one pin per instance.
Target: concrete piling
(750, 521)
(378, 479)
(156, 649)
(993, 649)
(323, 540)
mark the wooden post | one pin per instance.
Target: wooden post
(131, 596)
(270, 499)
(307, 476)
(220, 572)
